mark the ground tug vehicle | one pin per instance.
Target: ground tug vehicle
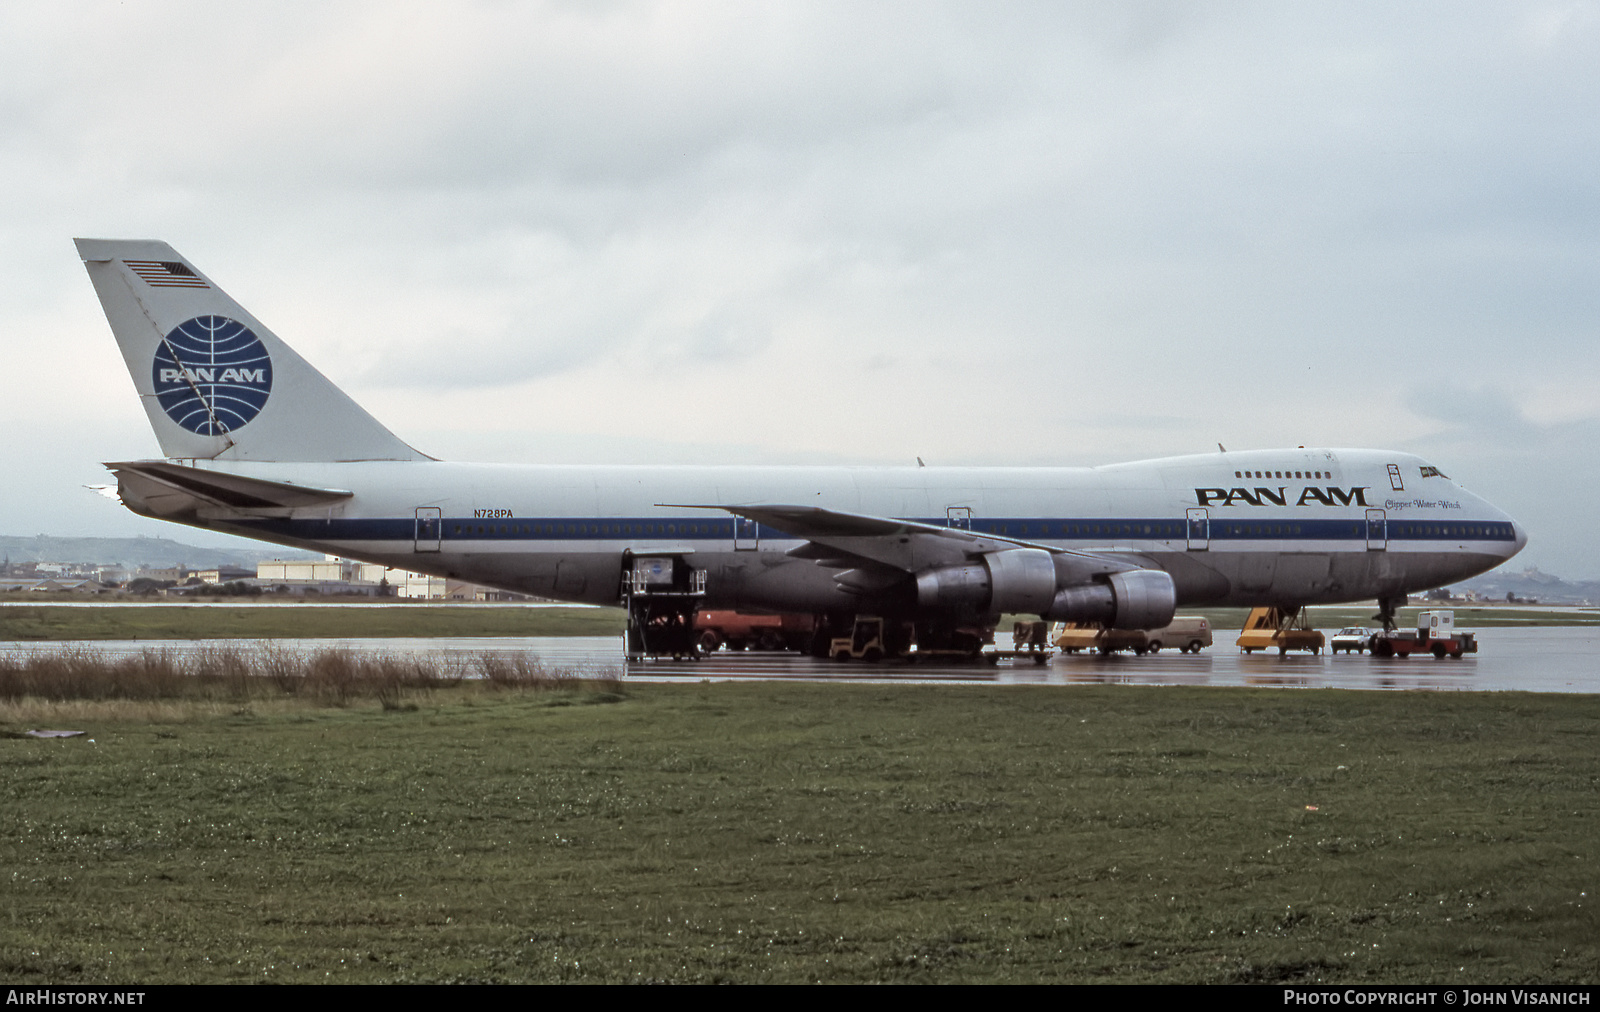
(1435, 633)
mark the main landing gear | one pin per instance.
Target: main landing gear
(1387, 606)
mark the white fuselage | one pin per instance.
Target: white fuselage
(1248, 528)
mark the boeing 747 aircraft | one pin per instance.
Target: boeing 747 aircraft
(256, 442)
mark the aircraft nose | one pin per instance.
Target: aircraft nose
(1521, 536)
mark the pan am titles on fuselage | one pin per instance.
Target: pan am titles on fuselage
(255, 441)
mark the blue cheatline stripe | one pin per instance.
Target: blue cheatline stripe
(1094, 529)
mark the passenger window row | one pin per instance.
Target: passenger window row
(1065, 530)
(1409, 530)
(1287, 475)
(599, 530)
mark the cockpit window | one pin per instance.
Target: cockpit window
(1434, 472)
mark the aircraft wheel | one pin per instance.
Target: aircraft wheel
(1040, 659)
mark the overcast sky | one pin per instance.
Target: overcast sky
(981, 233)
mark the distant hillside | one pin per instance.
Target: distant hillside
(1530, 583)
(135, 552)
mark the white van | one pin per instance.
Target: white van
(1187, 632)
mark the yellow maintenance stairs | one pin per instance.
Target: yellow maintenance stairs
(1280, 629)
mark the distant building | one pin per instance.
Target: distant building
(418, 586)
(307, 571)
(45, 586)
(117, 575)
(334, 575)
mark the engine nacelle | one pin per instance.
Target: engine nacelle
(1135, 599)
(1026, 581)
(1017, 580)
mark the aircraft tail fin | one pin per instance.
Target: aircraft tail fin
(216, 383)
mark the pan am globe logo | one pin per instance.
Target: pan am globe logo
(212, 375)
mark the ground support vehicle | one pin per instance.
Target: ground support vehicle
(661, 596)
(1189, 633)
(871, 638)
(1029, 641)
(1352, 640)
(865, 642)
(739, 631)
(1280, 629)
(1435, 634)
(1072, 637)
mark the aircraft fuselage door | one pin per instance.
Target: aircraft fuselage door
(1199, 530)
(430, 528)
(1377, 531)
(746, 534)
(958, 517)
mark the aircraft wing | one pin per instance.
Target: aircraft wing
(839, 539)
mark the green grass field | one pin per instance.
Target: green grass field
(783, 832)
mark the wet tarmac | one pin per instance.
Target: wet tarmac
(1525, 659)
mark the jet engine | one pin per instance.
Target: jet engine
(1132, 599)
(1026, 581)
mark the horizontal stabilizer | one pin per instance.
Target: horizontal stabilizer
(221, 489)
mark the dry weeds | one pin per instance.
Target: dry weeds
(166, 685)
